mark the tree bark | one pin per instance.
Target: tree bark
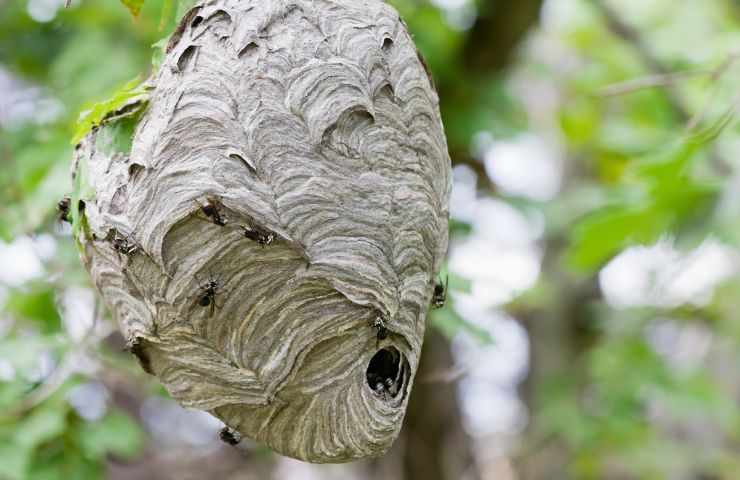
(438, 448)
(497, 32)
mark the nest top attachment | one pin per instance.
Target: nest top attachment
(269, 241)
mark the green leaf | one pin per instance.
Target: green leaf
(117, 136)
(599, 236)
(84, 192)
(59, 464)
(115, 434)
(450, 323)
(456, 282)
(14, 460)
(659, 195)
(22, 351)
(37, 304)
(134, 6)
(10, 393)
(45, 423)
(453, 281)
(128, 100)
(458, 228)
(168, 6)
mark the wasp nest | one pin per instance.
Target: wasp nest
(269, 240)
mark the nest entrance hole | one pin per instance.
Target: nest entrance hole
(386, 372)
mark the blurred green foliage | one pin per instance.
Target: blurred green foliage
(79, 59)
(657, 194)
(635, 174)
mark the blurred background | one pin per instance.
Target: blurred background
(592, 326)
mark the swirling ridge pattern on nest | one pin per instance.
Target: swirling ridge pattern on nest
(314, 121)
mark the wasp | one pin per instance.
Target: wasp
(391, 387)
(379, 325)
(440, 293)
(263, 237)
(207, 294)
(377, 384)
(230, 436)
(124, 245)
(383, 386)
(63, 209)
(211, 209)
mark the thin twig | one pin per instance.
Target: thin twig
(448, 375)
(725, 65)
(650, 81)
(698, 117)
(632, 36)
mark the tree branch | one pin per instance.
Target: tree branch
(632, 36)
(497, 32)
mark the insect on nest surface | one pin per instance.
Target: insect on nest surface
(298, 196)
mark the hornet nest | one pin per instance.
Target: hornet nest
(266, 217)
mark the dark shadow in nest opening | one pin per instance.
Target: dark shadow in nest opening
(185, 58)
(387, 373)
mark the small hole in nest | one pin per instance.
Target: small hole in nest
(134, 169)
(185, 57)
(387, 44)
(249, 49)
(386, 372)
(387, 92)
(196, 21)
(247, 163)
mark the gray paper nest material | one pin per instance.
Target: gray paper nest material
(315, 125)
